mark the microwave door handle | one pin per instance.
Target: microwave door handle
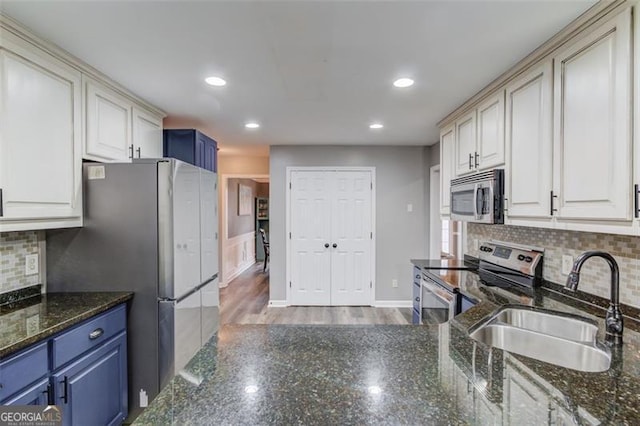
(476, 211)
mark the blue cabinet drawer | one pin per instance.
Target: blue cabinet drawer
(87, 336)
(23, 369)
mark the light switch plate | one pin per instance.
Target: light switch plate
(31, 264)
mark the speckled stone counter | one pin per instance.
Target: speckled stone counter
(268, 374)
(28, 321)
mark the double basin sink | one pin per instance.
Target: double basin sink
(554, 337)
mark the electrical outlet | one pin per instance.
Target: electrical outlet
(394, 283)
(567, 264)
(409, 208)
(31, 264)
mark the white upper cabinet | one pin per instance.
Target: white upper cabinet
(108, 124)
(447, 140)
(529, 116)
(147, 134)
(592, 124)
(465, 144)
(40, 138)
(479, 143)
(490, 144)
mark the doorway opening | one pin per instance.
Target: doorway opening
(244, 211)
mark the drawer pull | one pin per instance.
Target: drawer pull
(96, 333)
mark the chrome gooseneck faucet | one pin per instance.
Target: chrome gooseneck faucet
(613, 321)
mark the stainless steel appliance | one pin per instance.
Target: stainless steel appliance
(149, 227)
(507, 264)
(440, 297)
(479, 197)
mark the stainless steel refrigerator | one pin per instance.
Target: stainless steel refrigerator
(150, 227)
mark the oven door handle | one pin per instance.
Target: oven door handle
(439, 292)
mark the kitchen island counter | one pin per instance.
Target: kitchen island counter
(385, 374)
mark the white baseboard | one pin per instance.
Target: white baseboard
(393, 304)
(278, 303)
(240, 269)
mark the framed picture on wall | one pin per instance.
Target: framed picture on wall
(245, 200)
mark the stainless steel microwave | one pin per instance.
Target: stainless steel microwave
(479, 197)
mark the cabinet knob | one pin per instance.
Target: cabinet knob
(326, 245)
(335, 245)
(417, 299)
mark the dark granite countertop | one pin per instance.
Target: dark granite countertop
(34, 319)
(275, 374)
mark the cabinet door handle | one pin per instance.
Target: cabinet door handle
(96, 333)
(636, 190)
(470, 158)
(131, 150)
(138, 151)
(477, 163)
(65, 390)
(1, 203)
(551, 204)
(48, 393)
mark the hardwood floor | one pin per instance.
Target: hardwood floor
(245, 301)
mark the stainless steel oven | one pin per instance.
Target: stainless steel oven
(439, 304)
(479, 197)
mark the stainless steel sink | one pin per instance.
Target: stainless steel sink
(561, 339)
(551, 323)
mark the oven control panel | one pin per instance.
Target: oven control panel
(516, 257)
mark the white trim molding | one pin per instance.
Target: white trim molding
(278, 303)
(393, 304)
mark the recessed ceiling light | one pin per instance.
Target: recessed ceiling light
(376, 126)
(403, 82)
(215, 81)
(252, 125)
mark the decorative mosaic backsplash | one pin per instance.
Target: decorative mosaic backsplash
(595, 275)
(14, 246)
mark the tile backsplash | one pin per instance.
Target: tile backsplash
(595, 275)
(14, 246)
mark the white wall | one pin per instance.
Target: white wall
(400, 235)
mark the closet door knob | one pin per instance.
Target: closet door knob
(326, 245)
(335, 245)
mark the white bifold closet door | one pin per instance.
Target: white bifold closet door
(331, 237)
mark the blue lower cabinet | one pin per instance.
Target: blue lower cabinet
(20, 371)
(416, 317)
(93, 389)
(37, 394)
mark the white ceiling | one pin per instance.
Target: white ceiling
(311, 72)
